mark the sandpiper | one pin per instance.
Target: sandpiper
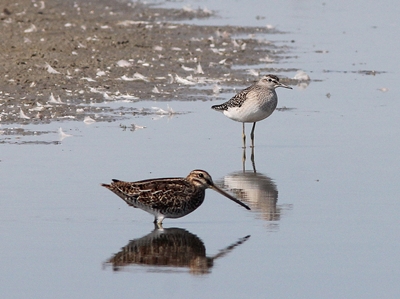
(253, 104)
(168, 197)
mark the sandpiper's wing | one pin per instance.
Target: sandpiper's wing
(238, 99)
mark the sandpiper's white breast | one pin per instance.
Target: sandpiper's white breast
(256, 107)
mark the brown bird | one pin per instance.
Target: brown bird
(168, 197)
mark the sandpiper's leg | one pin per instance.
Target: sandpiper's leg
(244, 137)
(252, 135)
(244, 159)
(252, 160)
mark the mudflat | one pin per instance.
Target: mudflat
(58, 57)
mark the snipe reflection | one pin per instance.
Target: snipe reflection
(168, 249)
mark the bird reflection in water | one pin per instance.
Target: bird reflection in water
(253, 163)
(166, 249)
(257, 190)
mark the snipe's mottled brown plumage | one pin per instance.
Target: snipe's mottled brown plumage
(168, 197)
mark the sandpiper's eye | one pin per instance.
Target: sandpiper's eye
(269, 80)
(201, 175)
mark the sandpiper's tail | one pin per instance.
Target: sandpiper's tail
(221, 107)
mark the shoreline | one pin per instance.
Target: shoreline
(59, 57)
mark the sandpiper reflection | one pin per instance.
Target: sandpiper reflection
(253, 163)
(174, 248)
(256, 189)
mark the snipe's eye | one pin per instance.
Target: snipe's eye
(201, 175)
(269, 80)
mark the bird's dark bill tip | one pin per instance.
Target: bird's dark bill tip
(285, 86)
(242, 204)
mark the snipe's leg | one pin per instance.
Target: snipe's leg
(158, 221)
(252, 135)
(158, 225)
(244, 137)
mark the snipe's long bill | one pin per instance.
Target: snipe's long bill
(253, 104)
(168, 197)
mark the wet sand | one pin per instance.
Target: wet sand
(60, 57)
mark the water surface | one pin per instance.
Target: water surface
(324, 219)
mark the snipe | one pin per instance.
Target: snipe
(168, 197)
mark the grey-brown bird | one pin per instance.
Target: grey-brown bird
(253, 104)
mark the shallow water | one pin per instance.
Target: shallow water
(324, 220)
